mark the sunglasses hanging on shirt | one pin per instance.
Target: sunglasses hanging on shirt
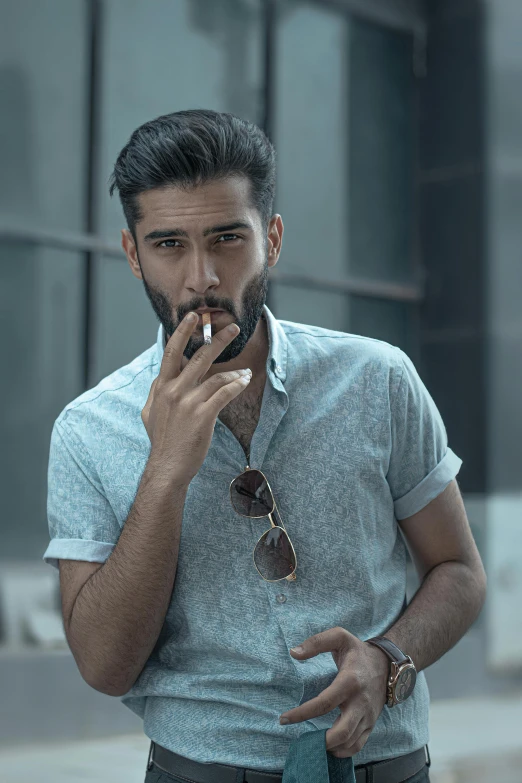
(274, 556)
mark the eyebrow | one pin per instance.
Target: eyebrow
(178, 232)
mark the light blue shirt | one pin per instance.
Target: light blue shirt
(350, 441)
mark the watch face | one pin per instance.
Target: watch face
(405, 684)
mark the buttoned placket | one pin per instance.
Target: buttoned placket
(274, 407)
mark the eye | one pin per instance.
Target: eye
(228, 236)
(167, 243)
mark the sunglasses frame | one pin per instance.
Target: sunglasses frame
(291, 577)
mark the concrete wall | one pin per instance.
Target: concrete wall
(44, 698)
(504, 186)
(470, 188)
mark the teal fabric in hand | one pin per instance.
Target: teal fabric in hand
(309, 762)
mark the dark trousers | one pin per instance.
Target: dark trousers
(156, 776)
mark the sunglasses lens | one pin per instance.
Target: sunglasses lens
(273, 555)
(250, 495)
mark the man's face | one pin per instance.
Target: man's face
(204, 247)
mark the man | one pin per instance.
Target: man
(208, 526)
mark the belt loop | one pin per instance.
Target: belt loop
(240, 775)
(149, 762)
(369, 773)
(428, 757)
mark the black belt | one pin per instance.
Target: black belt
(394, 770)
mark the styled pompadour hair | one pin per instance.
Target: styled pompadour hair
(194, 147)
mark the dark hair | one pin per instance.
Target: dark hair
(190, 148)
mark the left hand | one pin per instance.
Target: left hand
(359, 689)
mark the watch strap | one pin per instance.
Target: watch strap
(390, 649)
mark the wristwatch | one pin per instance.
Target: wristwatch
(403, 674)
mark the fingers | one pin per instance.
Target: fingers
(226, 392)
(325, 641)
(216, 385)
(327, 700)
(354, 744)
(345, 730)
(202, 360)
(174, 361)
(171, 362)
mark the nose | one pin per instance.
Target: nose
(201, 274)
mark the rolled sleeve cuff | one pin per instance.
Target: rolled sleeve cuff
(77, 549)
(430, 487)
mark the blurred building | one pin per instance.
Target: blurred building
(398, 128)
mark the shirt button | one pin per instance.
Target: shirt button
(279, 369)
(280, 598)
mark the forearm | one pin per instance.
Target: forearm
(448, 601)
(119, 612)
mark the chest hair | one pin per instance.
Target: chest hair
(241, 416)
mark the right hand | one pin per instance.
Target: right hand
(180, 412)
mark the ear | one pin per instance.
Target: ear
(130, 250)
(275, 239)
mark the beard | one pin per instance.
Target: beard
(252, 304)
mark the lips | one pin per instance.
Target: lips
(214, 315)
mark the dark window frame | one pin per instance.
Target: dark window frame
(395, 14)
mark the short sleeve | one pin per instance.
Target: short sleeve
(421, 464)
(82, 524)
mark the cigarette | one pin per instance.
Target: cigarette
(207, 333)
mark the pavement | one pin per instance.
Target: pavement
(472, 741)
(476, 740)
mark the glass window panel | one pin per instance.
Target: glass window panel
(305, 306)
(393, 322)
(124, 323)
(163, 56)
(381, 131)
(41, 344)
(43, 123)
(311, 138)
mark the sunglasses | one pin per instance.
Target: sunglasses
(274, 555)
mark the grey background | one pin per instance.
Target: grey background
(398, 130)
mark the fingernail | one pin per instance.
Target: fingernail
(191, 317)
(297, 650)
(283, 721)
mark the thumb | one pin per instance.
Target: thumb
(146, 410)
(326, 641)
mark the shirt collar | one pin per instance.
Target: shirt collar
(277, 345)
